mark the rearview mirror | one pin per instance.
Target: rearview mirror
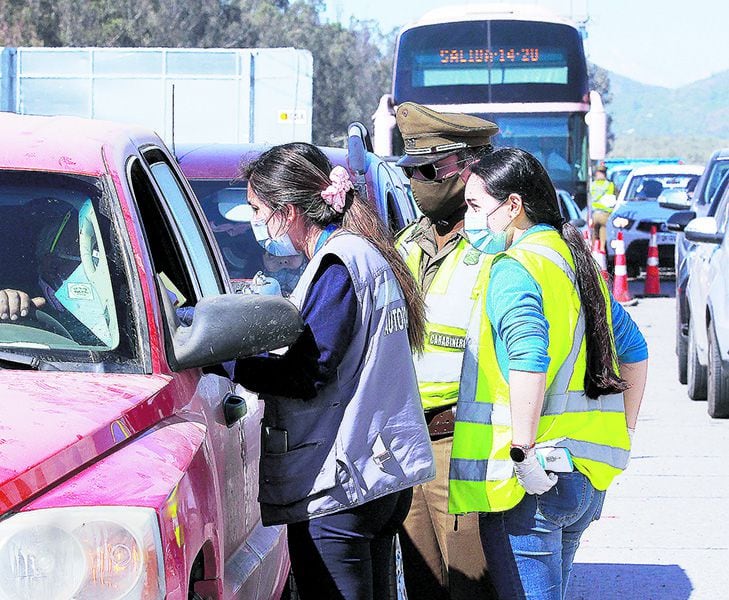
(704, 231)
(233, 326)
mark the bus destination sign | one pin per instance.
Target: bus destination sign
(450, 56)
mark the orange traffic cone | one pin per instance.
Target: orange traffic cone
(599, 256)
(620, 281)
(652, 277)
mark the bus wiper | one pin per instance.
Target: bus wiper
(13, 360)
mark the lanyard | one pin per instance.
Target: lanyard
(324, 236)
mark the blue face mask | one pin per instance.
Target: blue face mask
(278, 246)
(481, 236)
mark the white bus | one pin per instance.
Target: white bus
(517, 65)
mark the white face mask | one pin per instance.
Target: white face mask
(481, 236)
(278, 246)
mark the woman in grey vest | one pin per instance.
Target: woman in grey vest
(344, 437)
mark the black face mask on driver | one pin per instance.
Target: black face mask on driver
(439, 199)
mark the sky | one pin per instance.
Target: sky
(668, 43)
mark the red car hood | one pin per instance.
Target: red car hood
(53, 423)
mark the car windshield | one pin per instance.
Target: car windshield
(59, 248)
(649, 187)
(229, 215)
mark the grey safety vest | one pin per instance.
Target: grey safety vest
(364, 435)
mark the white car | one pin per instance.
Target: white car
(638, 208)
(708, 305)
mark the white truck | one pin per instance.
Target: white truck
(186, 95)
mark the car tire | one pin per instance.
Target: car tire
(695, 371)
(717, 392)
(681, 349)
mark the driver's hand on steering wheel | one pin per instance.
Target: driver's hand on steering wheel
(16, 303)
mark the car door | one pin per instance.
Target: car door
(183, 256)
(703, 269)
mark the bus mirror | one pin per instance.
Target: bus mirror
(384, 123)
(596, 121)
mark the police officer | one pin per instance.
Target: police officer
(602, 194)
(441, 560)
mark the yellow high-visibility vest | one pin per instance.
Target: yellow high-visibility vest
(449, 303)
(594, 431)
(598, 190)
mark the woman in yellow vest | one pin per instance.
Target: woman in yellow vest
(553, 377)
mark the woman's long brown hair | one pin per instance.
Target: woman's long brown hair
(295, 175)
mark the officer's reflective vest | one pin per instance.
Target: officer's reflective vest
(598, 190)
(594, 431)
(449, 303)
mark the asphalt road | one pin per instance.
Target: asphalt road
(664, 530)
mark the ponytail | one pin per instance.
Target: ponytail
(362, 219)
(600, 376)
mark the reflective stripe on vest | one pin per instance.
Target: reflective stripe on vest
(594, 431)
(449, 302)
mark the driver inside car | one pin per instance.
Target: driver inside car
(60, 287)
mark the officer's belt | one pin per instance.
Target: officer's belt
(440, 420)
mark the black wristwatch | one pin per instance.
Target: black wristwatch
(519, 453)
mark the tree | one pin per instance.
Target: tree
(600, 82)
(350, 70)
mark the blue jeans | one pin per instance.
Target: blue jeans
(350, 554)
(530, 548)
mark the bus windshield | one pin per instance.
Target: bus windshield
(557, 140)
(472, 62)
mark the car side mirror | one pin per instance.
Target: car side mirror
(231, 326)
(704, 231)
(678, 221)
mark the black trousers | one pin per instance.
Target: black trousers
(350, 554)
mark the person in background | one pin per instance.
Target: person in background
(287, 270)
(602, 195)
(553, 379)
(441, 561)
(344, 438)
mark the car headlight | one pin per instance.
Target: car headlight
(99, 553)
(622, 222)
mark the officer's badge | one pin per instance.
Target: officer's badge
(472, 257)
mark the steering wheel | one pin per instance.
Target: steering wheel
(50, 323)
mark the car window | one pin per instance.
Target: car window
(718, 171)
(650, 187)
(59, 245)
(226, 208)
(179, 205)
(722, 211)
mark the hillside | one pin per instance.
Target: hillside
(689, 121)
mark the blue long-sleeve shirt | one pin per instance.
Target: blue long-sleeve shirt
(521, 332)
(329, 313)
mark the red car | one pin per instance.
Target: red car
(128, 459)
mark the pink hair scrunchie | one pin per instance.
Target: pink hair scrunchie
(336, 194)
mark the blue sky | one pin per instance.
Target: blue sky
(661, 42)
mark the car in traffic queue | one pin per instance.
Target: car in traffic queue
(569, 210)
(702, 203)
(128, 458)
(215, 172)
(638, 209)
(707, 291)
